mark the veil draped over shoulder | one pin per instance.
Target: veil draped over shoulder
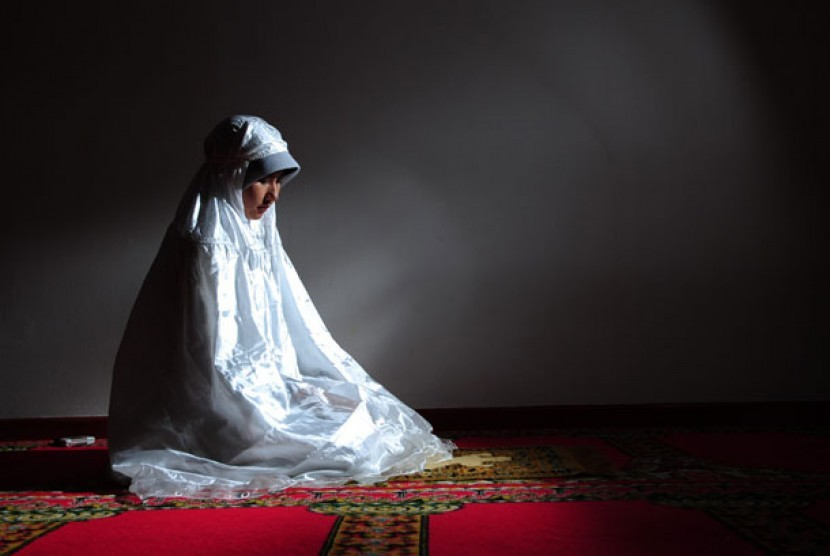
(227, 383)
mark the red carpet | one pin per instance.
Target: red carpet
(228, 531)
(37, 464)
(582, 529)
(800, 452)
(580, 491)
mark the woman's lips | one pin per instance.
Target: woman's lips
(262, 208)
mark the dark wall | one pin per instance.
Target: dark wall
(501, 203)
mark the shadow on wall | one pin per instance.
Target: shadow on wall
(501, 204)
(606, 221)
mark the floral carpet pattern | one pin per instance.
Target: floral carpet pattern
(769, 502)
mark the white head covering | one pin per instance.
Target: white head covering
(226, 380)
(239, 150)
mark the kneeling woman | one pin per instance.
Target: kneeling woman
(227, 382)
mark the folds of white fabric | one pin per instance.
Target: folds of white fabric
(227, 382)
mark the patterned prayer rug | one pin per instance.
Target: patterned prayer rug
(588, 491)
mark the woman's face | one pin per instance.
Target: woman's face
(260, 195)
